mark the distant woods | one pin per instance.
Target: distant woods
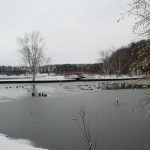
(65, 69)
(127, 59)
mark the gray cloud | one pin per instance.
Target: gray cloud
(74, 31)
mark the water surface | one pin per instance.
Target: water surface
(47, 121)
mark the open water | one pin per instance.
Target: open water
(50, 122)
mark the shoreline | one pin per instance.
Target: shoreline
(71, 80)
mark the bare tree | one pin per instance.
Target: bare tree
(116, 62)
(32, 49)
(89, 139)
(104, 59)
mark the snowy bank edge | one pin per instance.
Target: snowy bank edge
(12, 144)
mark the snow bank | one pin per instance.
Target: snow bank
(29, 78)
(61, 77)
(10, 144)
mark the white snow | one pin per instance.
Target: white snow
(11, 144)
(97, 76)
(29, 78)
(60, 77)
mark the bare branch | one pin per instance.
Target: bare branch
(90, 141)
(141, 10)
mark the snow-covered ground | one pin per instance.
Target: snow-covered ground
(97, 76)
(28, 77)
(60, 77)
(11, 144)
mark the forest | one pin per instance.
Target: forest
(133, 58)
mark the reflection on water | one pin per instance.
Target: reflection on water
(47, 121)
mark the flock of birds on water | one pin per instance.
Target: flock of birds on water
(84, 87)
(41, 94)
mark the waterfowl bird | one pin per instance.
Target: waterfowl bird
(117, 100)
(33, 94)
(45, 95)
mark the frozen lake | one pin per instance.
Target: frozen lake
(47, 121)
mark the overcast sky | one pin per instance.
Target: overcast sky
(74, 30)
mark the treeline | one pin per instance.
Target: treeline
(121, 61)
(57, 69)
(12, 70)
(72, 68)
